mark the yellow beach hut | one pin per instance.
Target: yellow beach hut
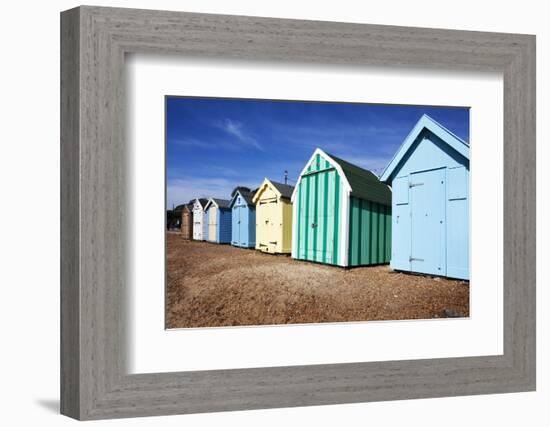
(273, 217)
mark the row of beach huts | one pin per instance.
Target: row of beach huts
(415, 216)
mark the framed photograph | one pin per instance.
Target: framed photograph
(261, 213)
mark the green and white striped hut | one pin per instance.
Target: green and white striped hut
(341, 214)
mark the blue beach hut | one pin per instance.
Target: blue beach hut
(218, 218)
(429, 176)
(243, 215)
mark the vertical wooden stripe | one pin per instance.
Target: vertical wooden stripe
(375, 223)
(315, 229)
(351, 233)
(359, 231)
(365, 236)
(306, 225)
(325, 212)
(336, 216)
(330, 211)
(368, 224)
(389, 235)
(297, 226)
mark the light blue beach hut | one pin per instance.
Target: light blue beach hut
(243, 215)
(429, 176)
(218, 218)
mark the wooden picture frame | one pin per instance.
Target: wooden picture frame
(94, 382)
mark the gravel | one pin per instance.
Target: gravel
(211, 285)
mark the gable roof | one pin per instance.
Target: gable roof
(284, 190)
(202, 202)
(220, 203)
(429, 124)
(360, 182)
(246, 195)
(364, 184)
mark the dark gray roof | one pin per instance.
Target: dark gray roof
(203, 202)
(364, 184)
(222, 203)
(246, 195)
(285, 189)
(239, 188)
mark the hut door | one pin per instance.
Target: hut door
(243, 225)
(266, 215)
(235, 225)
(212, 223)
(427, 193)
(197, 225)
(271, 217)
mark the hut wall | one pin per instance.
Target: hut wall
(273, 221)
(224, 226)
(198, 220)
(370, 233)
(205, 226)
(187, 224)
(212, 214)
(243, 226)
(318, 225)
(431, 210)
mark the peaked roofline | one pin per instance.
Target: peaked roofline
(200, 203)
(425, 122)
(264, 182)
(272, 184)
(333, 162)
(238, 192)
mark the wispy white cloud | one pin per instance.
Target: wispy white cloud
(204, 144)
(236, 129)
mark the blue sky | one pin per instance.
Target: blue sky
(213, 144)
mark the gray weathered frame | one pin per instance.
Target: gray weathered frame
(94, 41)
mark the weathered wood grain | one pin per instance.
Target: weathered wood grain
(94, 383)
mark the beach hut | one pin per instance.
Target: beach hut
(273, 217)
(187, 221)
(218, 214)
(429, 176)
(243, 216)
(173, 218)
(199, 219)
(341, 214)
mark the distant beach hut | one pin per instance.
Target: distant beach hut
(199, 219)
(273, 217)
(341, 214)
(243, 215)
(430, 176)
(173, 218)
(218, 214)
(187, 221)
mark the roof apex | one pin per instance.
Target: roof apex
(425, 122)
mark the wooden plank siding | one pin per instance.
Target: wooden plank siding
(370, 233)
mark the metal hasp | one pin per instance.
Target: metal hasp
(341, 214)
(429, 176)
